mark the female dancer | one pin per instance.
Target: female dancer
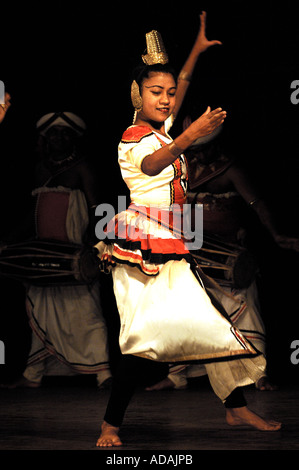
(154, 280)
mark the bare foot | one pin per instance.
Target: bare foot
(264, 384)
(243, 416)
(109, 436)
(165, 384)
(22, 382)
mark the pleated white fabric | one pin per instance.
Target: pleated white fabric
(165, 312)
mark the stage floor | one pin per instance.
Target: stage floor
(67, 416)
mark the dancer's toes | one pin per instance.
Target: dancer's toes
(165, 384)
(109, 436)
(244, 417)
(264, 384)
(22, 382)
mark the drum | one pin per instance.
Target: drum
(228, 264)
(49, 263)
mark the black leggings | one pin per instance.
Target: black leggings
(133, 371)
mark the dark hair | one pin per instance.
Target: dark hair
(142, 72)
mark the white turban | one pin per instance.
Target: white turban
(60, 119)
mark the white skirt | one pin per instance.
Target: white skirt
(169, 317)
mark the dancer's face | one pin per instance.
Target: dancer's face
(158, 96)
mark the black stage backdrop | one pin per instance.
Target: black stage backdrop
(77, 57)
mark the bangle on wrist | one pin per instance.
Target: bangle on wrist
(174, 149)
(185, 76)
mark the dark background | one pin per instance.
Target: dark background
(78, 57)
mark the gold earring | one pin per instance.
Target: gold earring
(135, 96)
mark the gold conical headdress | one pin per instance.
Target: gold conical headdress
(156, 53)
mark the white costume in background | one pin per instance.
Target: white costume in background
(222, 220)
(67, 321)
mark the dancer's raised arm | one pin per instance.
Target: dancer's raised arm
(201, 44)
